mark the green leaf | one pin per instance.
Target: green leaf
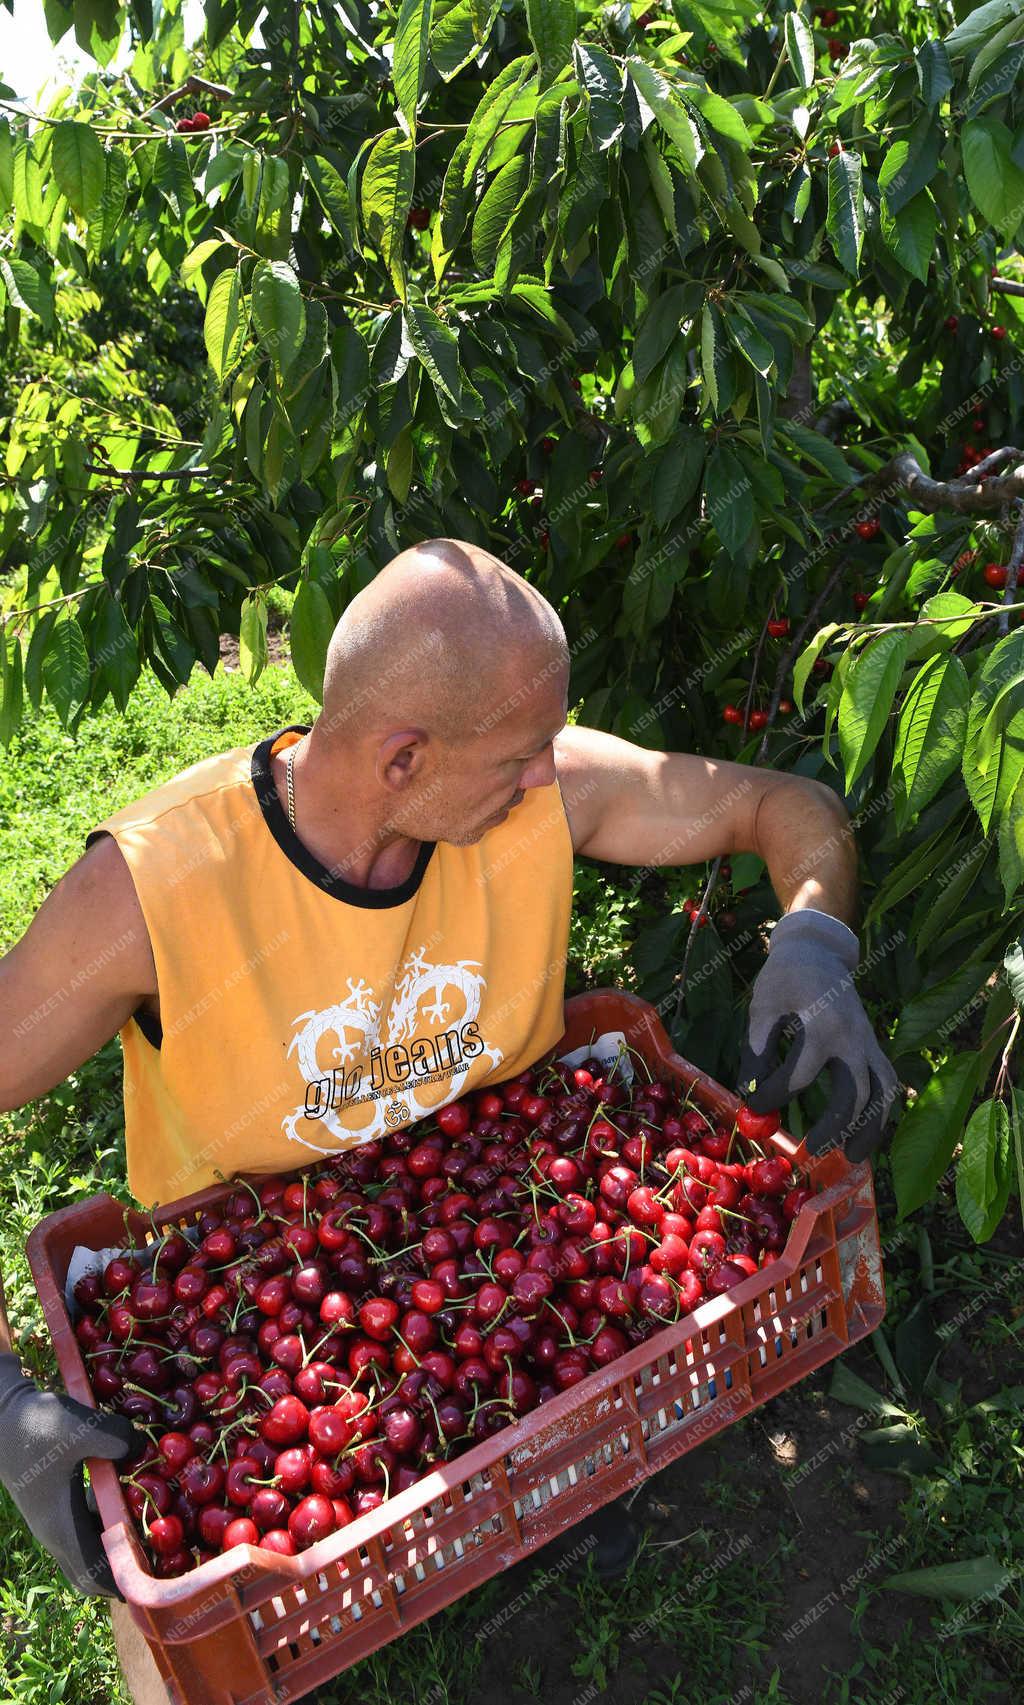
(10, 688)
(224, 326)
(845, 219)
(930, 733)
(495, 210)
(332, 194)
(437, 347)
(677, 474)
(79, 168)
(983, 1171)
(970, 1578)
(931, 1015)
(656, 331)
(911, 163)
(386, 197)
(807, 659)
(714, 355)
(979, 24)
(669, 111)
(848, 1387)
(649, 590)
(1011, 842)
(800, 48)
(117, 651)
(278, 312)
(6, 167)
(992, 50)
(991, 771)
(412, 33)
(173, 177)
(995, 181)
(460, 34)
(727, 498)
(867, 699)
(552, 26)
(1013, 966)
(252, 637)
(934, 72)
(310, 628)
(26, 289)
(748, 340)
(816, 448)
(910, 234)
(66, 668)
(721, 114)
(600, 77)
(35, 657)
(929, 1131)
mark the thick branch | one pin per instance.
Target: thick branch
(191, 86)
(1008, 286)
(969, 495)
(837, 415)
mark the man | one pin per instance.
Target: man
(306, 943)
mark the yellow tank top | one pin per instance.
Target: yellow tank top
(300, 1014)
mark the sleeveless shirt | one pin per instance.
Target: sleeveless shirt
(301, 1014)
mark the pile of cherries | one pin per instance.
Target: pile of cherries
(333, 1336)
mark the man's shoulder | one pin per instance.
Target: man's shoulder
(197, 786)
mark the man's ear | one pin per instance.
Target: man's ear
(401, 757)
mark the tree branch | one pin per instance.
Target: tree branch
(191, 86)
(969, 495)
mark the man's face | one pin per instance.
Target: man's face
(467, 790)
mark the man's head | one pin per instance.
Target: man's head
(446, 680)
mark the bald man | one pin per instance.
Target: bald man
(312, 941)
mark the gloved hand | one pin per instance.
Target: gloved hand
(44, 1437)
(808, 977)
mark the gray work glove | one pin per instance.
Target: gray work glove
(44, 1438)
(806, 986)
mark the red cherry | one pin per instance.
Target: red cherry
(731, 713)
(952, 322)
(758, 719)
(418, 218)
(860, 600)
(378, 1317)
(837, 49)
(794, 1201)
(280, 1541)
(183, 126)
(166, 1534)
(995, 574)
(200, 121)
(524, 487)
(999, 332)
(778, 627)
(785, 707)
(453, 1120)
(834, 148)
(312, 1518)
(756, 1125)
(769, 1177)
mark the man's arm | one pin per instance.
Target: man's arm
(75, 977)
(627, 805)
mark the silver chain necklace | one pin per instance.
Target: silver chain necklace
(289, 783)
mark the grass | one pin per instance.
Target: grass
(679, 1628)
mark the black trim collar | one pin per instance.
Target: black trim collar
(276, 819)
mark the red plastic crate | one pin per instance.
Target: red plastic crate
(248, 1627)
